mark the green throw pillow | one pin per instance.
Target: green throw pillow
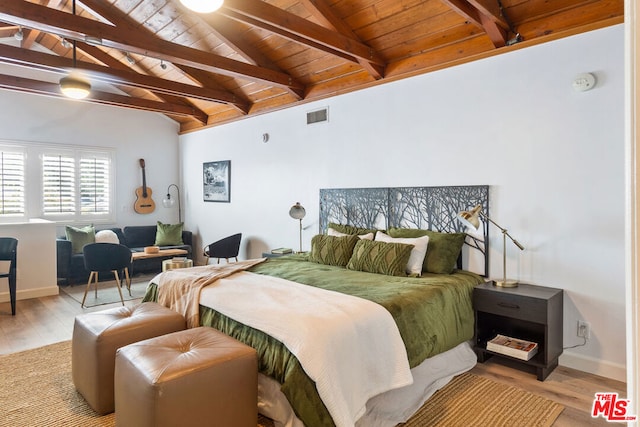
(80, 237)
(350, 229)
(380, 257)
(169, 234)
(332, 250)
(443, 250)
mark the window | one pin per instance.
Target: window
(12, 190)
(56, 182)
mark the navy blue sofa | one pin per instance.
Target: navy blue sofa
(71, 269)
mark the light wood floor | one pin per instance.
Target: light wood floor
(47, 320)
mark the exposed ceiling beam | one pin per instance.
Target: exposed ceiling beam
(204, 78)
(43, 61)
(480, 18)
(79, 28)
(323, 13)
(53, 89)
(264, 15)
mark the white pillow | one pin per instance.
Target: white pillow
(332, 232)
(107, 236)
(419, 251)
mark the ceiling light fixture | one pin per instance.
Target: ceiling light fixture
(163, 65)
(203, 6)
(65, 43)
(129, 59)
(19, 35)
(73, 86)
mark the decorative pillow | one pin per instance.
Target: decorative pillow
(333, 232)
(416, 259)
(107, 236)
(169, 234)
(380, 257)
(332, 250)
(443, 250)
(350, 229)
(80, 237)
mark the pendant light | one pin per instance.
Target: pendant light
(73, 86)
(203, 6)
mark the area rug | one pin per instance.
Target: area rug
(36, 389)
(107, 291)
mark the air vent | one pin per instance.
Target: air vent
(318, 116)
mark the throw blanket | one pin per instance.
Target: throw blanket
(180, 289)
(349, 346)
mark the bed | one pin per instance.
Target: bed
(431, 315)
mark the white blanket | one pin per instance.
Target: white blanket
(349, 346)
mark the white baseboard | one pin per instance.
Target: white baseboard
(594, 366)
(30, 293)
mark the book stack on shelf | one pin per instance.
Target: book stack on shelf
(280, 251)
(514, 347)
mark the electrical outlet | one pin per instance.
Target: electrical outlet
(584, 329)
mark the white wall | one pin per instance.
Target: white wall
(554, 159)
(134, 135)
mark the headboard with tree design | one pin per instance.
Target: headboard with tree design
(433, 208)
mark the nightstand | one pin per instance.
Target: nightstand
(529, 312)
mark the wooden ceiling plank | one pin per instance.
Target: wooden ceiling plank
(322, 12)
(314, 34)
(77, 27)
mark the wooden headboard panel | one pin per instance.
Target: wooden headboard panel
(433, 208)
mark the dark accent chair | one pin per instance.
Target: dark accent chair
(100, 257)
(8, 252)
(226, 248)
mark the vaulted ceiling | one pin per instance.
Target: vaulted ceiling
(254, 56)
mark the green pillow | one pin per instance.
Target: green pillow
(80, 237)
(332, 250)
(443, 249)
(380, 257)
(350, 229)
(169, 234)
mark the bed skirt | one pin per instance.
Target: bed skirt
(387, 409)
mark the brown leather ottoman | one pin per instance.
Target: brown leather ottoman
(199, 376)
(97, 336)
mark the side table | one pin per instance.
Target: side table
(529, 312)
(170, 264)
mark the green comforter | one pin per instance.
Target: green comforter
(433, 314)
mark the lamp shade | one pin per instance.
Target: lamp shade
(297, 211)
(74, 87)
(168, 202)
(203, 6)
(470, 218)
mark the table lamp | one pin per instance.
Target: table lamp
(298, 212)
(472, 220)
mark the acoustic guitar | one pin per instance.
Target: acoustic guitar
(144, 203)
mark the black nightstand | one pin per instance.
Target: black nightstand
(529, 312)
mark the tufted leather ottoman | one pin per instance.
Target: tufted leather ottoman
(198, 376)
(97, 336)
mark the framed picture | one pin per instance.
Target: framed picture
(216, 181)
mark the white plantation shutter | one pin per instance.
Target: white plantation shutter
(62, 183)
(95, 184)
(58, 184)
(12, 189)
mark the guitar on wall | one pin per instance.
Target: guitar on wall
(144, 203)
